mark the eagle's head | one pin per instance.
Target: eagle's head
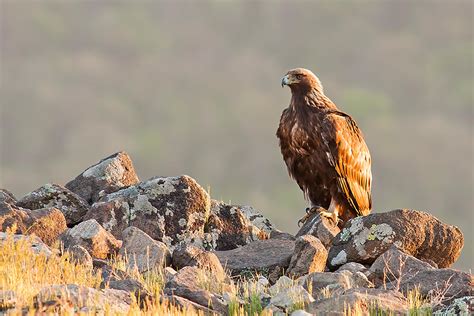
(301, 80)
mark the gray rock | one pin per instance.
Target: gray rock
(300, 312)
(107, 176)
(52, 195)
(188, 306)
(46, 223)
(309, 256)
(395, 264)
(193, 283)
(80, 255)
(359, 302)
(189, 255)
(330, 280)
(71, 297)
(352, 267)
(365, 238)
(263, 256)
(461, 306)
(290, 297)
(90, 235)
(7, 197)
(450, 283)
(320, 227)
(142, 251)
(276, 234)
(232, 226)
(171, 210)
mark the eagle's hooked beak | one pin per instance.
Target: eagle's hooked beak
(284, 81)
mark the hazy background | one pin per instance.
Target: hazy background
(194, 88)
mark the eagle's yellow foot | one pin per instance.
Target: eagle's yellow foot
(309, 212)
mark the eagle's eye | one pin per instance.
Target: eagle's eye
(299, 77)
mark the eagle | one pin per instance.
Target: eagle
(324, 151)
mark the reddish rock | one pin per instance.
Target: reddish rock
(420, 234)
(108, 175)
(309, 256)
(90, 235)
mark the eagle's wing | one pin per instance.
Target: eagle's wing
(350, 156)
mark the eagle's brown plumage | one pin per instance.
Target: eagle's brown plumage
(324, 149)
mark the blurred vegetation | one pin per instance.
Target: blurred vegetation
(193, 88)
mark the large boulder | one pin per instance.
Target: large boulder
(170, 210)
(361, 302)
(53, 195)
(320, 227)
(108, 175)
(330, 280)
(447, 284)
(309, 256)
(262, 256)
(46, 223)
(419, 234)
(142, 252)
(93, 237)
(232, 226)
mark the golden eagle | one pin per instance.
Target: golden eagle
(324, 151)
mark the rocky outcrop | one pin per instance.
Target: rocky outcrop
(420, 234)
(107, 176)
(7, 197)
(90, 235)
(142, 252)
(309, 256)
(53, 195)
(170, 210)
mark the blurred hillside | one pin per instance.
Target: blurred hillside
(193, 88)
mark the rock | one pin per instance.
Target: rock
(107, 176)
(395, 264)
(450, 283)
(263, 256)
(46, 223)
(330, 280)
(276, 234)
(8, 299)
(188, 307)
(293, 296)
(361, 302)
(352, 267)
(190, 283)
(80, 255)
(111, 274)
(189, 255)
(80, 298)
(320, 227)
(90, 235)
(7, 197)
(359, 279)
(52, 195)
(309, 256)
(232, 226)
(37, 246)
(460, 306)
(131, 286)
(169, 273)
(171, 210)
(364, 239)
(280, 285)
(142, 251)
